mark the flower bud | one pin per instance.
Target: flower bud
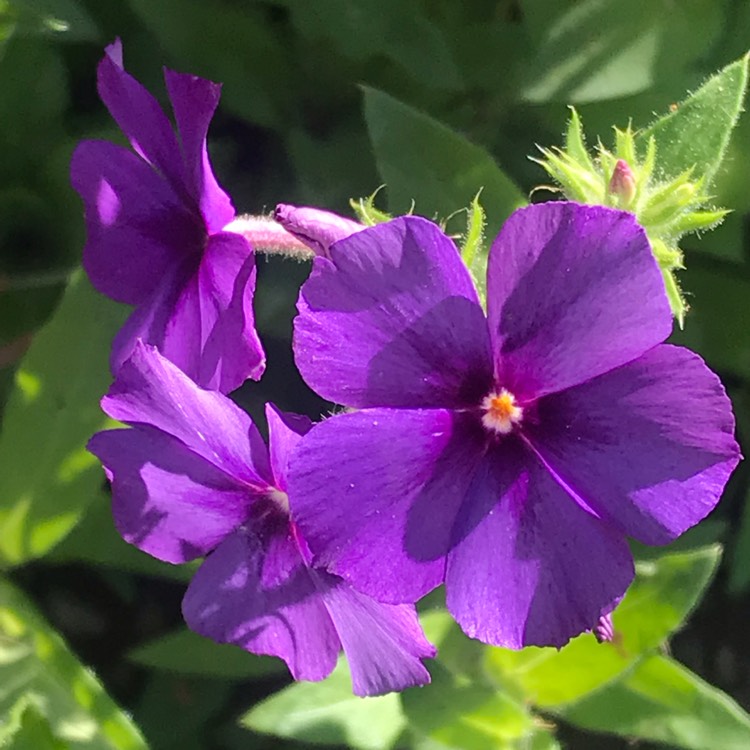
(622, 184)
(604, 631)
(315, 228)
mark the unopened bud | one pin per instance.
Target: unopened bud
(268, 237)
(604, 631)
(622, 185)
(315, 228)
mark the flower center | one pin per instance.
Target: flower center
(280, 499)
(501, 412)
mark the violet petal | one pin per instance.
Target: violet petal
(393, 320)
(572, 292)
(142, 120)
(383, 643)
(137, 226)
(203, 320)
(256, 593)
(150, 390)
(194, 101)
(166, 500)
(649, 445)
(532, 568)
(375, 494)
(284, 433)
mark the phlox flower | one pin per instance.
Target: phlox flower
(154, 220)
(507, 454)
(192, 477)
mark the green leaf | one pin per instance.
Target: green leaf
(696, 134)
(715, 328)
(594, 50)
(453, 712)
(27, 729)
(461, 655)
(327, 713)
(238, 46)
(663, 701)
(663, 594)
(46, 475)
(186, 652)
(381, 28)
(33, 98)
(423, 161)
(36, 664)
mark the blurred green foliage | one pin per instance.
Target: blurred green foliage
(324, 101)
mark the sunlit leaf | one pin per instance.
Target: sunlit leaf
(47, 477)
(453, 712)
(327, 713)
(696, 134)
(35, 662)
(423, 161)
(663, 701)
(663, 594)
(605, 49)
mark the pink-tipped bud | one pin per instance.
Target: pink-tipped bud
(314, 227)
(604, 632)
(622, 185)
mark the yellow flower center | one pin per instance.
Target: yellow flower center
(501, 412)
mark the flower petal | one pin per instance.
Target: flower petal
(137, 227)
(256, 592)
(231, 351)
(375, 494)
(284, 433)
(151, 390)
(194, 101)
(141, 119)
(149, 322)
(383, 643)
(572, 292)
(649, 445)
(534, 569)
(202, 320)
(166, 500)
(393, 320)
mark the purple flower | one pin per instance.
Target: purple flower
(193, 478)
(508, 454)
(154, 218)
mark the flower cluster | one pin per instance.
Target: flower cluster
(507, 453)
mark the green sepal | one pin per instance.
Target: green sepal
(676, 300)
(473, 248)
(366, 210)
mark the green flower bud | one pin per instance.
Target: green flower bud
(667, 209)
